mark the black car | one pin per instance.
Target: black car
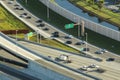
(110, 59)
(67, 37)
(20, 9)
(68, 42)
(24, 14)
(55, 33)
(78, 43)
(41, 25)
(86, 49)
(39, 21)
(46, 29)
(16, 5)
(28, 17)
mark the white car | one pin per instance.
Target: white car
(99, 52)
(93, 66)
(104, 50)
(68, 37)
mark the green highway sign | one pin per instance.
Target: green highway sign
(30, 34)
(81, 49)
(68, 26)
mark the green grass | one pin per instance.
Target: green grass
(9, 22)
(59, 22)
(106, 14)
(54, 43)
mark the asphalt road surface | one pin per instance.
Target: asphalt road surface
(32, 22)
(112, 70)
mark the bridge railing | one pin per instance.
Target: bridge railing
(103, 30)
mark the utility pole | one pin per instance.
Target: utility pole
(82, 27)
(16, 39)
(86, 41)
(78, 28)
(48, 10)
(26, 2)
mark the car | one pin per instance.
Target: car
(28, 17)
(104, 50)
(93, 66)
(16, 5)
(24, 14)
(46, 29)
(68, 37)
(99, 52)
(110, 59)
(41, 25)
(86, 49)
(16, 8)
(56, 35)
(10, 2)
(21, 9)
(85, 68)
(68, 42)
(80, 43)
(99, 59)
(39, 21)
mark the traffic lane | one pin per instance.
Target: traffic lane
(76, 59)
(49, 31)
(92, 49)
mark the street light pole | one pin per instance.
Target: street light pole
(78, 28)
(16, 35)
(16, 39)
(40, 38)
(86, 41)
(47, 9)
(26, 2)
(37, 36)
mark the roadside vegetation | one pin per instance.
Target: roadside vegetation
(97, 8)
(54, 43)
(9, 22)
(59, 22)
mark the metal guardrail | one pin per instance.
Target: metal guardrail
(46, 58)
(103, 30)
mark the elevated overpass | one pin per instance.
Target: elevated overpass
(36, 60)
(48, 34)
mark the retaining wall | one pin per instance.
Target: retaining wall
(108, 32)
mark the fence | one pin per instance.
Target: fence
(108, 32)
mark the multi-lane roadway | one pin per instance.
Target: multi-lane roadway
(112, 70)
(48, 33)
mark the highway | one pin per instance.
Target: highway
(8, 55)
(112, 68)
(21, 51)
(48, 33)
